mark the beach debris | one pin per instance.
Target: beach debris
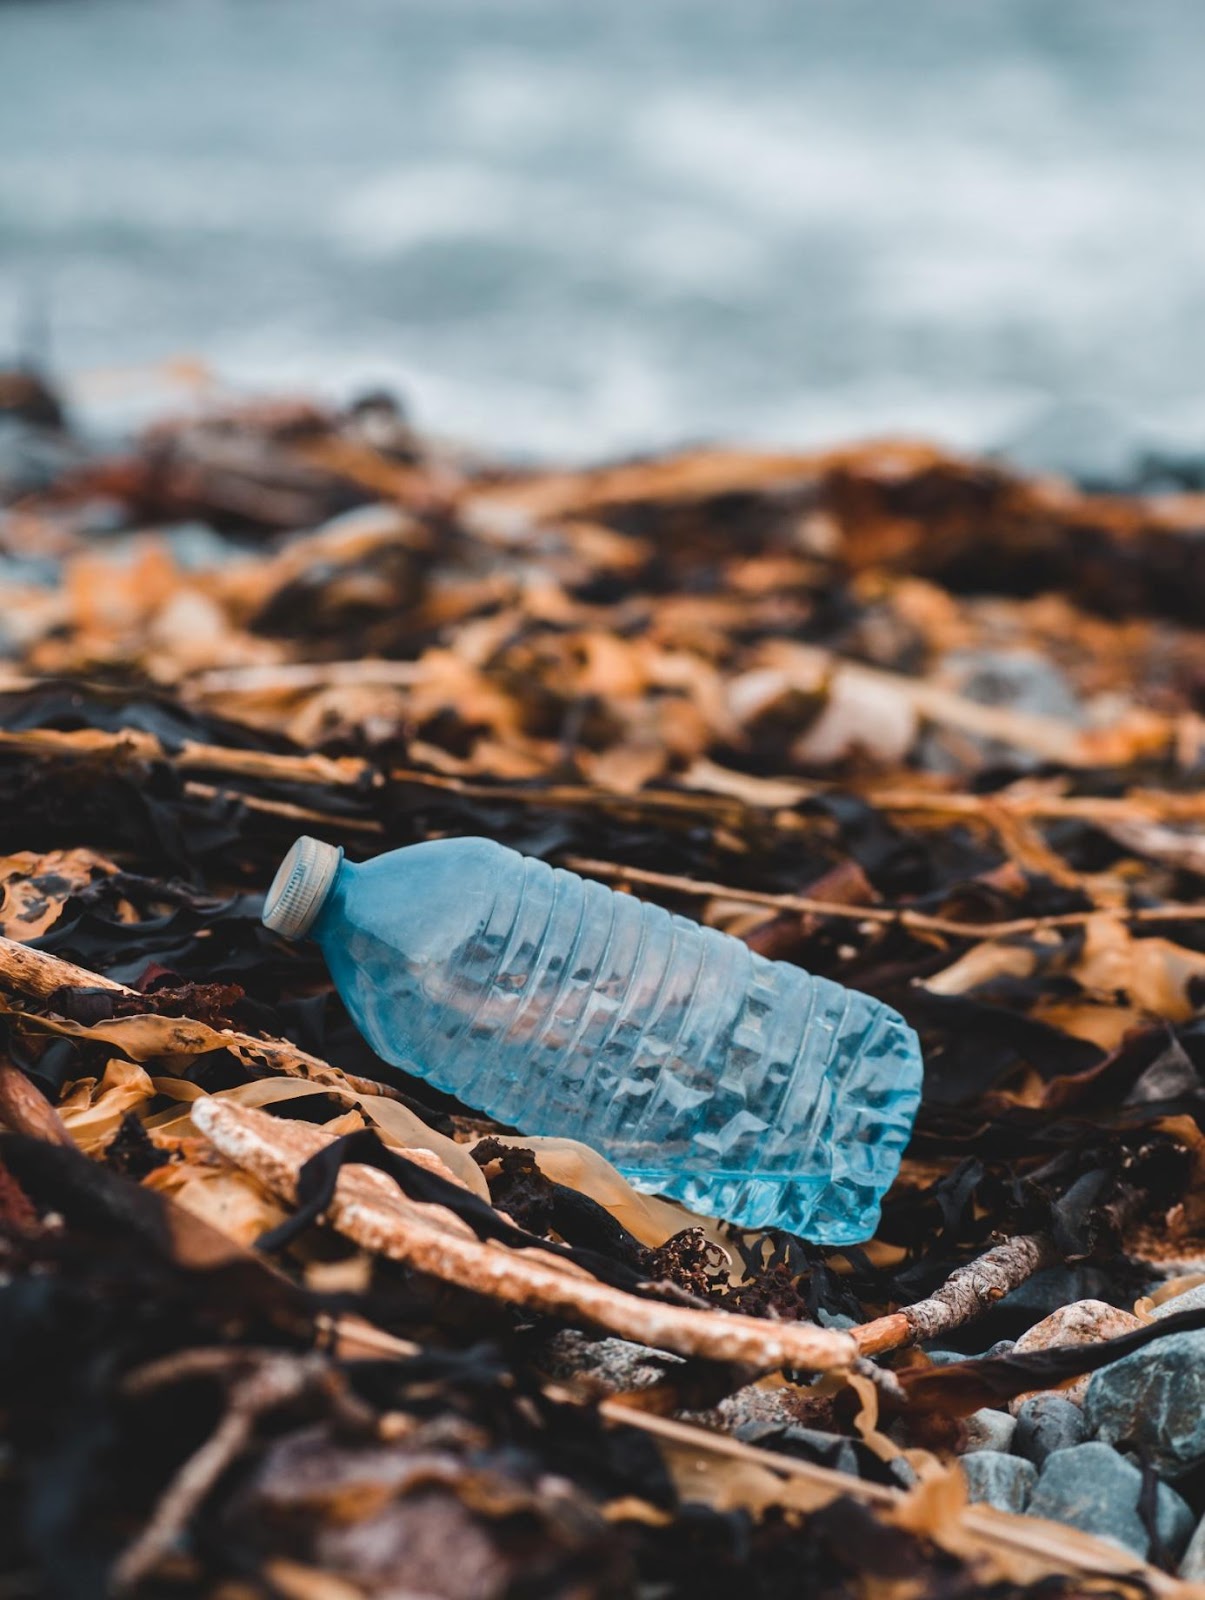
(279, 1320)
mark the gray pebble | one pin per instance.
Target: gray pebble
(1190, 1300)
(999, 1480)
(827, 1449)
(835, 1319)
(1154, 1400)
(1046, 1423)
(989, 1430)
(1057, 1286)
(1002, 1347)
(1092, 1488)
(943, 1358)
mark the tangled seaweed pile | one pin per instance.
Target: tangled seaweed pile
(277, 1321)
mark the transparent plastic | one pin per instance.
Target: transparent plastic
(744, 1088)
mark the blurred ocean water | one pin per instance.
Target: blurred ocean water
(572, 228)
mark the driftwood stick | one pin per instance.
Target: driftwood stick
(304, 816)
(370, 1209)
(38, 974)
(182, 1498)
(966, 1294)
(347, 771)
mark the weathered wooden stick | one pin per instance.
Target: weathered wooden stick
(37, 973)
(965, 1295)
(369, 1208)
(276, 1379)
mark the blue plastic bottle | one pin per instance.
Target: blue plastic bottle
(743, 1087)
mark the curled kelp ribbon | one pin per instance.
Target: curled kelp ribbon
(960, 1387)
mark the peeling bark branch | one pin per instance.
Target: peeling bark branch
(967, 1294)
(39, 974)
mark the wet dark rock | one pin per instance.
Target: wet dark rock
(1092, 1488)
(1154, 1400)
(809, 1444)
(999, 1480)
(1047, 1423)
(1059, 1286)
(1192, 1567)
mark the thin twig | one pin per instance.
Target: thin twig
(283, 808)
(351, 772)
(274, 1381)
(183, 1496)
(897, 916)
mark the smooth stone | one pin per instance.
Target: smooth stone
(1192, 1568)
(1019, 678)
(1046, 1291)
(1082, 1322)
(1002, 1347)
(1092, 1488)
(999, 1480)
(835, 1319)
(989, 1430)
(1190, 1300)
(1047, 1423)
(945, 1358)
(1155, 1401)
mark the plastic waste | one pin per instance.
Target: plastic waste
(745, 1088)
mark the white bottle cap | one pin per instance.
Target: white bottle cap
(301, 884)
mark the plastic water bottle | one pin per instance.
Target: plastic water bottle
(744, 1088)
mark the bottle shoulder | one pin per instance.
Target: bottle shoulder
(424, 897)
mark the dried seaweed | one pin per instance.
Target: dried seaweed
(910, 721)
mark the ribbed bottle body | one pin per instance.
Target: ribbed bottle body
(743, 1087)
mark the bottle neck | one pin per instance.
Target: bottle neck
(301, 887)
(331, 905)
